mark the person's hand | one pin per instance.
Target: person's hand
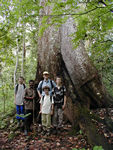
(24, 102)
(40, 112)
(33, 97)
(52, 112)
(63, 107)
(40, 96)
(14, 102)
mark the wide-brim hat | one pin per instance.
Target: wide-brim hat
(45, 72)
(46, 87)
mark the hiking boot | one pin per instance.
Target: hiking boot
(43, 133)
(58, 132)
(25, 133)
(54, 131)
(61, 129)
(48, 133)
(39, 129)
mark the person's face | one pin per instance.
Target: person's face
(46, 76)
(20, 80)
(31, 85)
(58, 81)
(46, 91)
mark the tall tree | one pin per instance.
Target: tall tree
(84, 87)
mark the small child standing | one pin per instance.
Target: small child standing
(46, 109)
(59, 95)
(29, 96)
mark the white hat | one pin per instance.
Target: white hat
(45, 72)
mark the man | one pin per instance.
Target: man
(19, 91)
(29, 96)
(59, 95)
(46, 82)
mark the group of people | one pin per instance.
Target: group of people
(52, 100)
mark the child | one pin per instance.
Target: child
(46, 109)
(29, 96)
(59, 95)
(19, 90)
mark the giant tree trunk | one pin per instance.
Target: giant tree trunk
(84, 86)
(84, 76)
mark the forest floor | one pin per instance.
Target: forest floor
(16, 140)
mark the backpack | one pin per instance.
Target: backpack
(50, 98)
(42, 84)
(17, 87)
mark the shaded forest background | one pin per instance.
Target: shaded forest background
(19, 33)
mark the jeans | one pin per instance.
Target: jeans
(19, 111)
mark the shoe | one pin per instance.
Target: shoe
(48, 134)
(54, 131)
(58, 132)
(25, 133)
(61, 129)
(43, 133)
(39, 129)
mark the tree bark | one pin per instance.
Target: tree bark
(23, 55)
(15, 71)
(84, 86)
(82, 72)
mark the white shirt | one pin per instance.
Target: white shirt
(46, 104)
(19, 95)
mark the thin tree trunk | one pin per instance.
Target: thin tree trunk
(17, 59)
(23, 55)
(3, 95)
(4, 99)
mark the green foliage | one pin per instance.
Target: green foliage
(5, 117)
(80, 132)
(94, 148)
(17, 17)
(98, 148)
